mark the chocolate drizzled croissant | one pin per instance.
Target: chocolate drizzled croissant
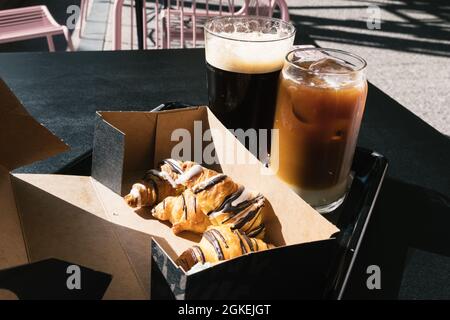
(188, 211)
(193, 197)
(218, 200)
(156, 185)
(220, 243)
(183, 212)
(242, 211)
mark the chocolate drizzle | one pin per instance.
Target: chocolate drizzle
(219, 234)
(202, 186)
(243, 249)
(159, 175)
(257, 231)
(226, 205)
(215, 243)
(154, 186)
(253, 222)
(200, 253)
(249, 242)
(184, 206)
(174, 165)
(232, 211)
(246, 218)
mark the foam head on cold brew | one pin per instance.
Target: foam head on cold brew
(252, 46)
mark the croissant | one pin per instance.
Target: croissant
(211, 188)
(241, 210)
(220, 243)
(218, 200)
(183, 212)
(156, 185)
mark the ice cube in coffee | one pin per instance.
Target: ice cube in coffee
(320, 103)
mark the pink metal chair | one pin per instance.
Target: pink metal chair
(29, 23)
(84, 5)
(181, 21)
(184, 20)
(117, 23)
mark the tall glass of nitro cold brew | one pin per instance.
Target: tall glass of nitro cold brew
(244, 56)
(320, 104)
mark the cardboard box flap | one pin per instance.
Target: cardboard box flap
(23, 140)
(116, 165)
(62, 217)
(12, 246)
(294, 222)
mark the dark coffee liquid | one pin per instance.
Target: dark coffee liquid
(242, 100)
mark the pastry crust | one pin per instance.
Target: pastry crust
(220, 243)
(242, 210)
(156, 185)
(218, 200)
(193, 197)
(183, 212)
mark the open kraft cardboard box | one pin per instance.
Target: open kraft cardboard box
(85, 220)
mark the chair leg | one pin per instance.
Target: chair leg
(164, 33)
(117, 24)
(168, 30)
(68, 39)
(81, 17)
(51, 45)
(86, 9)
(156, 17)
(132, 24)
(144, 20)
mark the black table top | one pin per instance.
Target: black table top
(407, 237)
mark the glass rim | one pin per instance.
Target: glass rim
(355, 56)
(249, 17)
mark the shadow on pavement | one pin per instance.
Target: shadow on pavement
(428, 35)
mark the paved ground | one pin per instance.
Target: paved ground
(408, 57)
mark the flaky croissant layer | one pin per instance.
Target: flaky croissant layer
(217, 200)
(193, 197)
(183, 212)
(156, 185)
(220, 243)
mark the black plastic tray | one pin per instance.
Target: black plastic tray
(351, 217)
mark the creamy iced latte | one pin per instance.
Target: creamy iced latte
(320, 103)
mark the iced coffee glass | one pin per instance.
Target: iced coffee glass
(320, 103)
